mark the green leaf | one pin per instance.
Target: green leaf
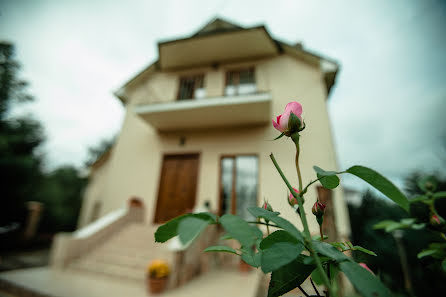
(220, 248)
(225, 237)
(293, 123)
(425, 253)
(440, 195)
(329, 182)
(380, 183)
(259, 212)
(328, 179)
(418, 199)
(330, 251)
(322, 172)
(317, 277)
(361, 249)
(443, 265)
(252, 258)
(169, 229)
(288, 277)
(189, 229)
(279, 221)
(418, 226)
(280, 136)
(277, 236)
(238, 229)
(318, 237)
(364, 281)
(384, 224)
(279, 254)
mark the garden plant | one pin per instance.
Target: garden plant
(289, 254)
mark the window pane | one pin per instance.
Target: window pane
(247, 76)
(246, 184)
(230, 78)
(227, 167)
(186, 88)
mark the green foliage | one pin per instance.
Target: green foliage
(279, 221)
(329, 251)
(366, 283)
(221, 248)
(190, 228)
(60, 191)
(20, 172)
(277, 236)
(387, 265)
(380, 183)
(328, 179)
(170, 229)
(279, 254)
(289, 277)
(97, 151)
(240, 230)
(348, 246)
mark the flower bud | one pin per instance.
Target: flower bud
(267, 206)
(436, 220)
(291, 199)
(291, 120)
(363, 265)
(318, 209)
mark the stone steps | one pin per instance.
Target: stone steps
(124, 255)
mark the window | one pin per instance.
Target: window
(238, 185)
(240, 82)
(191, 87)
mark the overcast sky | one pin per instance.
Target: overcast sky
(387, 109)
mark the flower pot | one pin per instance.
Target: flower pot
(156, 285)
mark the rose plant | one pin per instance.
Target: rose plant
(289, 254)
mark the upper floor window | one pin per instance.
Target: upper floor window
(240, 82)
(191, 87)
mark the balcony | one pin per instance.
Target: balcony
(193, 114)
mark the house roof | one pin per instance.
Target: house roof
(216, 32)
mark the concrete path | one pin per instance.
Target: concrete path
(69, 283)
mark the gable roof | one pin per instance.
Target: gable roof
(219, 27)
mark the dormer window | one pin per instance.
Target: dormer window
(191, 87)
(240, 82)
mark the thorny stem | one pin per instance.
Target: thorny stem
(267, 228)
(322, 233)
(303, 217)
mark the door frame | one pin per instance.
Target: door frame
(160, 171)
(220, 188)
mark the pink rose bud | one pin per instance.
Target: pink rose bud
(281, 122)
(267, 206)
(436, 220)
(318, 209)
(291, 199)
(363, 265)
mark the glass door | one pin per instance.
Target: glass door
(238, 184)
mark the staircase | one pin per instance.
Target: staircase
(126, 254)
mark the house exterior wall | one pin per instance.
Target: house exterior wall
(135, 165)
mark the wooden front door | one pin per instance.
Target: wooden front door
(178, 186)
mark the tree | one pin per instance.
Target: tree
(61, 193)
(97, 151)
(20, 172)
